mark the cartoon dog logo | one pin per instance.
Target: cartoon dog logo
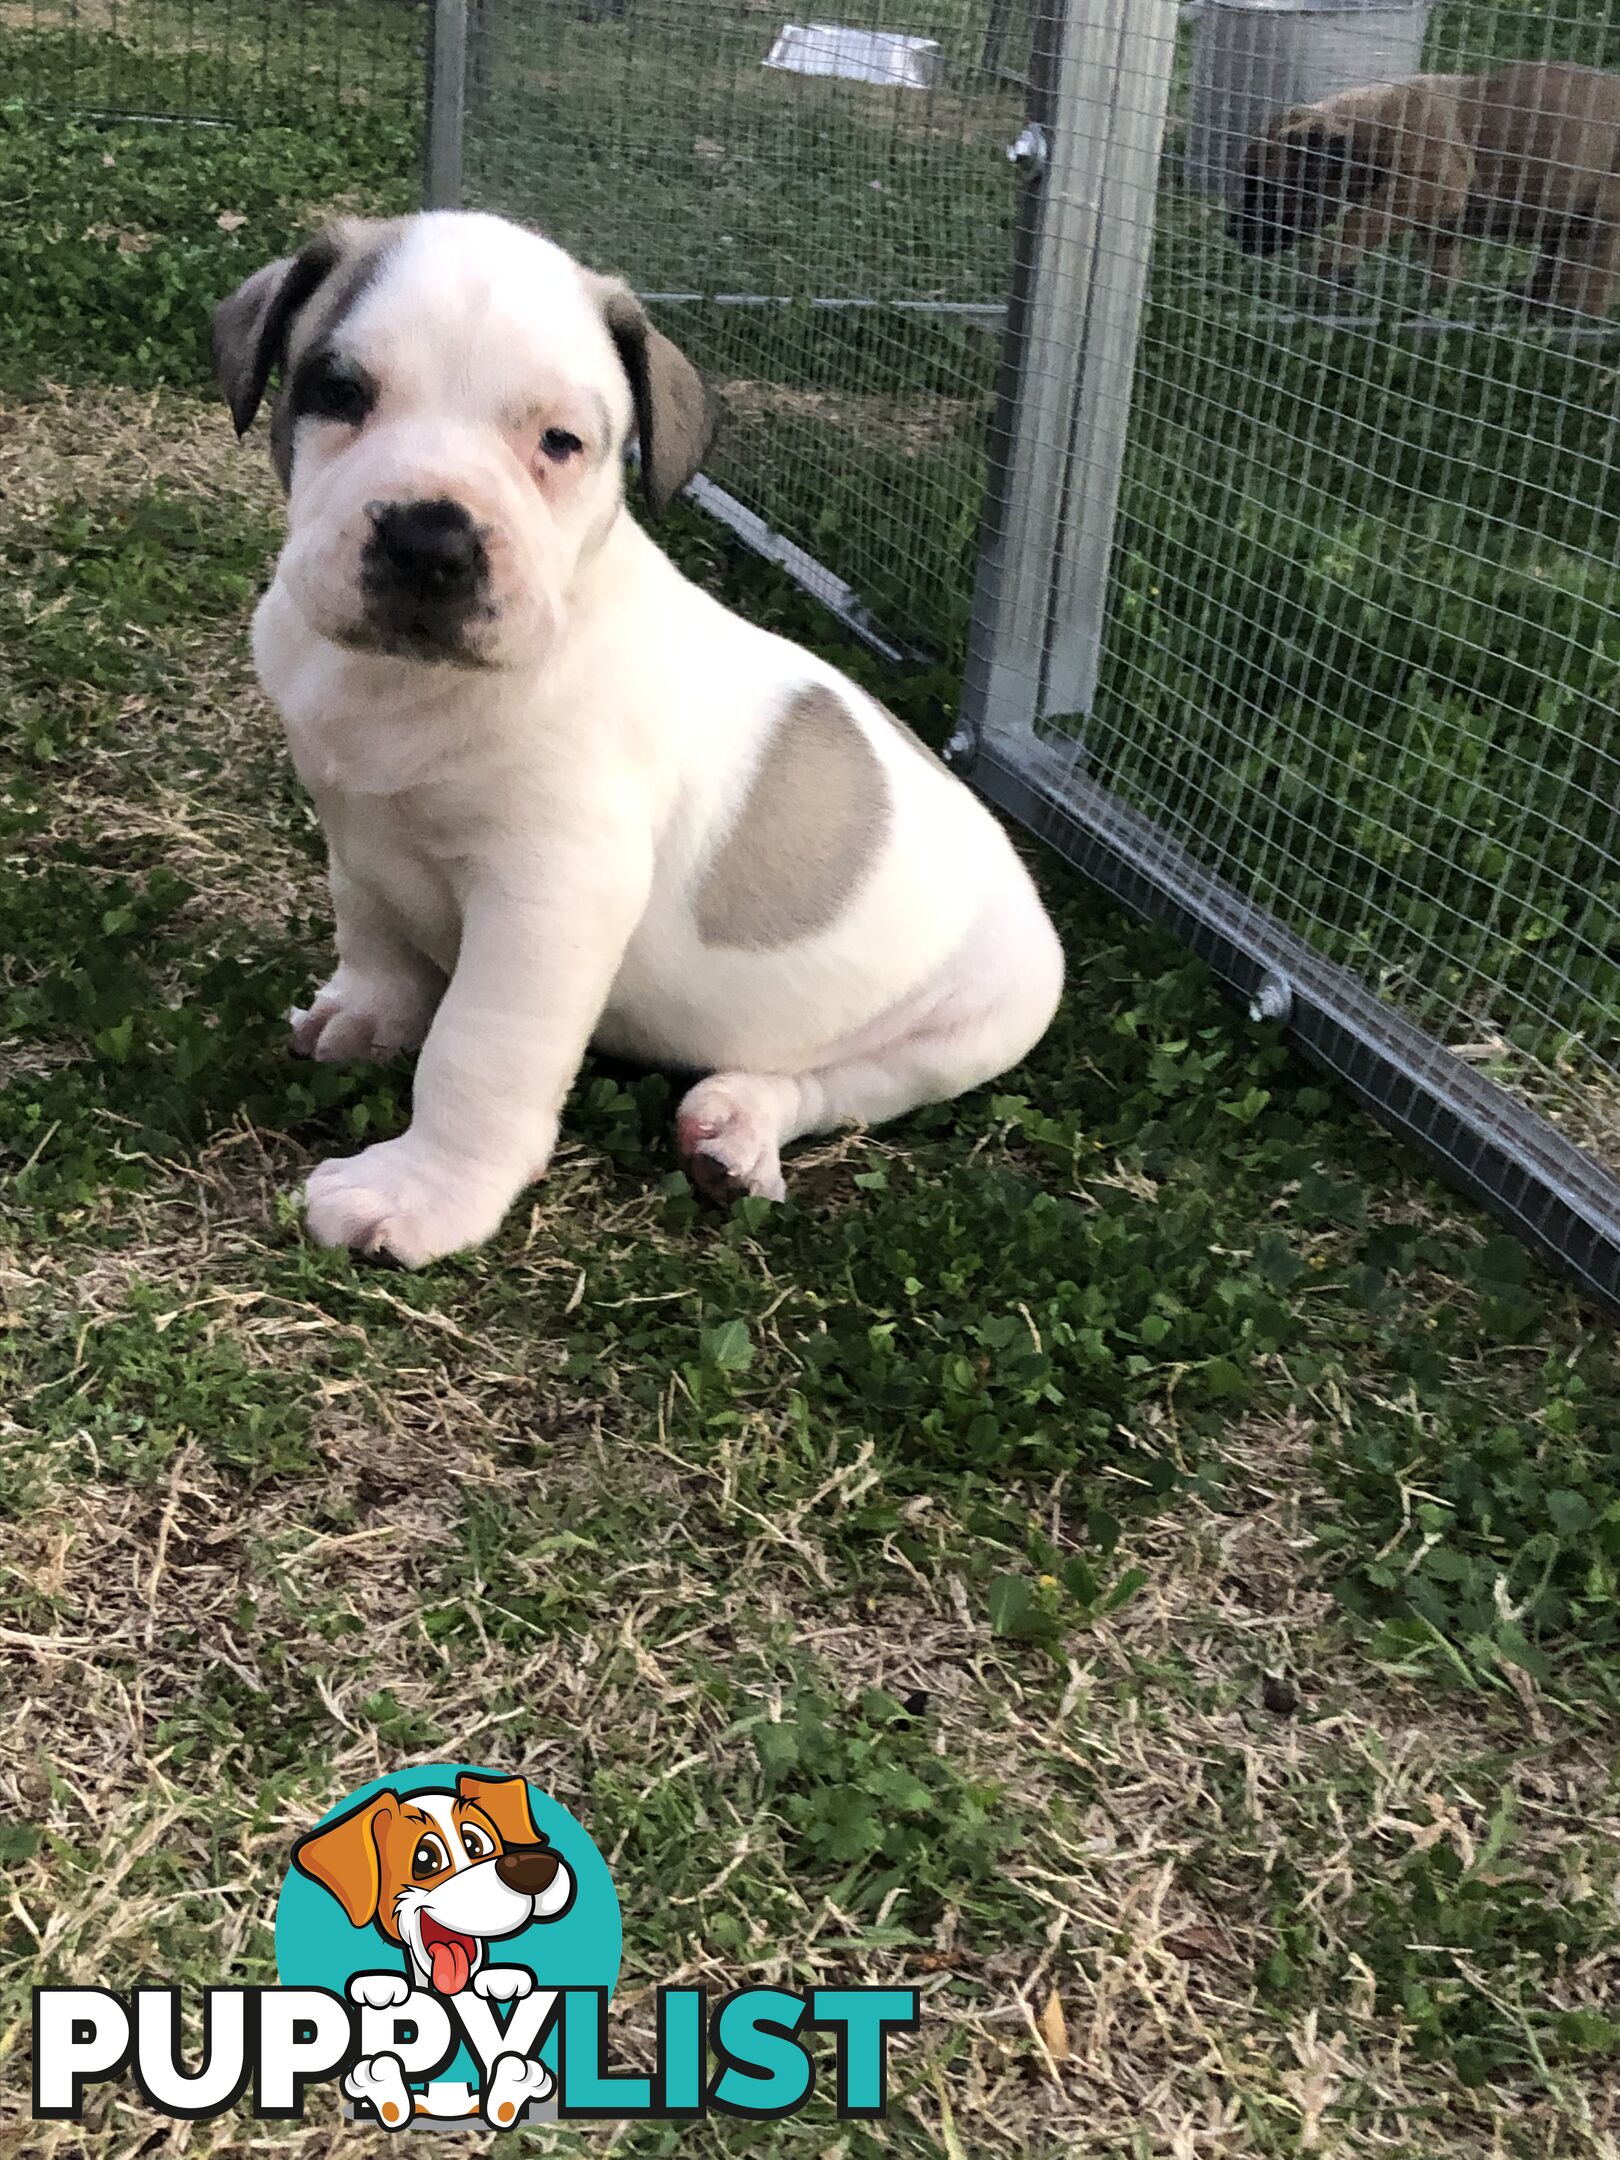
(441, 1875)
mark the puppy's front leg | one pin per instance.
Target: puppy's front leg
(1435, 195)
(382, 996)
(541, 943)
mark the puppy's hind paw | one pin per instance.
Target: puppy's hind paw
(517, 2081)
(379, 2081)
(726, 1131)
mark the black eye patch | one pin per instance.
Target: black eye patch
(327, 388)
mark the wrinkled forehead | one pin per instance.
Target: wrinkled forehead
(474, 314)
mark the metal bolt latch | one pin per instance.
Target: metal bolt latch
(1274, 1000)
(1030, 152)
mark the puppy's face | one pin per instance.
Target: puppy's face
(1295, 178)
(457, 396)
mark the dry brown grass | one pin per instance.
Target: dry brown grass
(907, 427)
(93, 446)
(96, 450)
(1133, 1925)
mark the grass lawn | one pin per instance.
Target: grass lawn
(1127, 1541)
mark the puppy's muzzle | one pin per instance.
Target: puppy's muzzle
(528, 1869)
(426, 575)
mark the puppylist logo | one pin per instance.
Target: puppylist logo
(448, 1942)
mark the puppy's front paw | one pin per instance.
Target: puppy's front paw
(396, 1202)
(357, 1019)
(379, 1990)
(503, 1983)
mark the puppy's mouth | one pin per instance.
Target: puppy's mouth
(398, 635)
(450, 1956)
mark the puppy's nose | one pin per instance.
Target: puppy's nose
(432, 547)
(528, 1869)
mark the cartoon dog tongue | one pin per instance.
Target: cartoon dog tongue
(451, 1963)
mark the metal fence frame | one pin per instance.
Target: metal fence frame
(1080, 255)
(1549, 1191)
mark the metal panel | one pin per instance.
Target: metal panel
(1091, 156)
(1253, 59)
(447, 104)
(1134, 102)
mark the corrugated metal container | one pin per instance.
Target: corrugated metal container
(1253, 59)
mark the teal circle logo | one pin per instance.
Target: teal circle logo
(449, 1889)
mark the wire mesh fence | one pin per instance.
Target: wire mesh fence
(288, 62)
(832, 251)
(1360, 652)
(1300, 579)
(1303, 543)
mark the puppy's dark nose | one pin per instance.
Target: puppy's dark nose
(528, 1869)
(431, 548)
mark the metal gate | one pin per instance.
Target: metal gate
(1298, 625)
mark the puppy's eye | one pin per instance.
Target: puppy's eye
(326, 392)
(340, 397)
(559, 445)
(429, 1858)
(478, 1847)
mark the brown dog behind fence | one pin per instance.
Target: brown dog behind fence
(1529, 153)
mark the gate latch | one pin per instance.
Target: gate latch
(1029, 153)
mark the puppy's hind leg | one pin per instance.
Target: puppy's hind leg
(986, 1009)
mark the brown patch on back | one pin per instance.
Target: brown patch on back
(810, 828)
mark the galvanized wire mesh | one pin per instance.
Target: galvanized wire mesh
(834, 253)
(1318, 579)
(292, 62)
(1361, 652)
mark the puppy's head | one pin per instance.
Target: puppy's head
(1303, 171)
(456, 398)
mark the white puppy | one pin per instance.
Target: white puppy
(568, 797)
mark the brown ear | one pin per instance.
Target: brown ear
(675, 416)
(505, 1801)
(345, 1857)
(251, 327)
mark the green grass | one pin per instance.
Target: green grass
(1128, 1536)
(218, 61)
